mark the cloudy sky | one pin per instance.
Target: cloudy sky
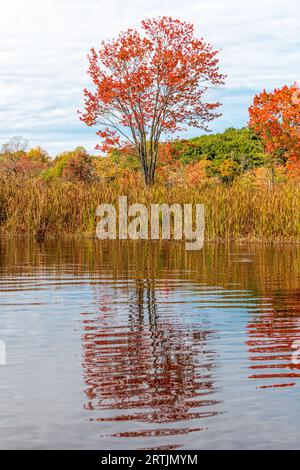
(44, 43)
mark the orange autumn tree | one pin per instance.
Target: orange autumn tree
(148, 84)
(275, 117)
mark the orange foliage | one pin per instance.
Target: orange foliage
(21, 165)
(148, 84)
(195, 173)
(275, 117)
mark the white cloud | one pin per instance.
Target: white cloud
(43, 47)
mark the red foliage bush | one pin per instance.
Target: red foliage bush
(80, 167)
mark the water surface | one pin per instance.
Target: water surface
(147, 346)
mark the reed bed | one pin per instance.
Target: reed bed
(237, 212)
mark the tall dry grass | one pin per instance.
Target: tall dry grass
(60, 208)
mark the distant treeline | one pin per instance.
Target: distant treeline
(216, 158)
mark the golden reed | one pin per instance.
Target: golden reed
(63, 209)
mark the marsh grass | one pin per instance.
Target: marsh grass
(63, 209)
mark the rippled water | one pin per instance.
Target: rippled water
(147, 346)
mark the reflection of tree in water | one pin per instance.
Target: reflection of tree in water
(144, 366)
(271, 336)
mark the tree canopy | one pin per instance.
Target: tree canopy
(151, 84)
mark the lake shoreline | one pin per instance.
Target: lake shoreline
(83, 237)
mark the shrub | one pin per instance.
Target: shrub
(80, 167)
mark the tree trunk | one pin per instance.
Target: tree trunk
(149, 177)
(148, 168)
